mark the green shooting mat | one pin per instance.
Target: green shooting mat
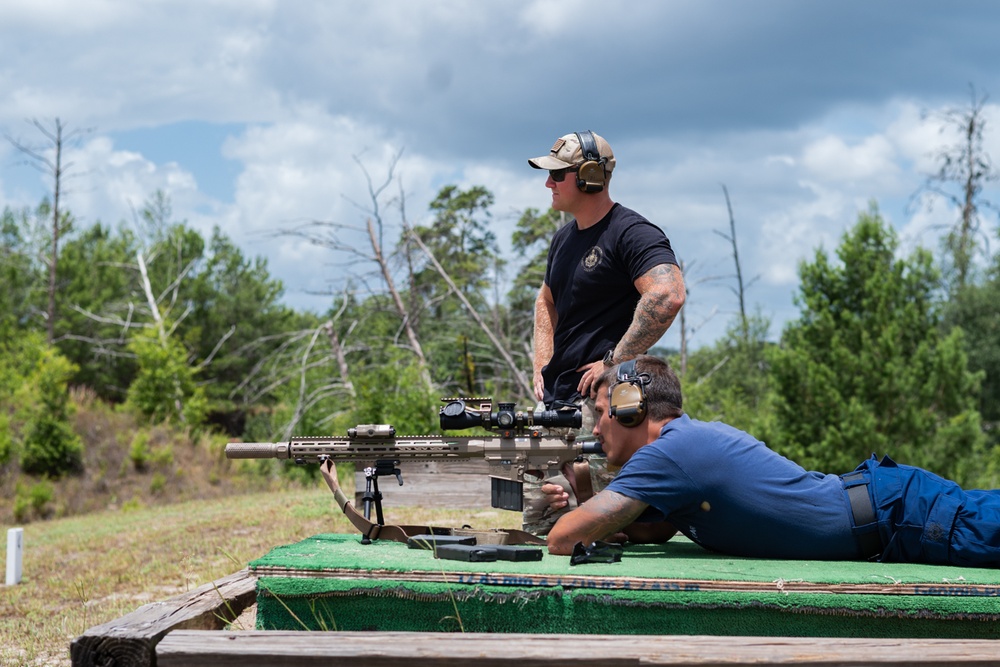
(334, 582)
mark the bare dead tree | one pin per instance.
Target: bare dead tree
(338, 351)
(522, 380)
(49, 160)
(330, 235)
(289, 363)
(964, 168)
(741, 288)
(688, 330)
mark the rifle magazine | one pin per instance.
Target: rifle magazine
(506, 494)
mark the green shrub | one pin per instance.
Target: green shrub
(6, 441)
(33, 501)
(41, 494)
(22, 508)
(50, 445)
(133, 505)
(157, 484)
(138, 451)
(162, 456)
(164, 388)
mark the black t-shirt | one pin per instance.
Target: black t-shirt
(591, 274)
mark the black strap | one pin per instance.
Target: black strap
(588, 147)
(864, 514)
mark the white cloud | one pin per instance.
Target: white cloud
(872, 161)
(101, 183)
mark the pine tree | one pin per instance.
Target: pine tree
(867, 369)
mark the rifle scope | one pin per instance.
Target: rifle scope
(457, 415)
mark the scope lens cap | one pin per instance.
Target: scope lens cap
(453, 409)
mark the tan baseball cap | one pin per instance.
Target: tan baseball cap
(566, 153)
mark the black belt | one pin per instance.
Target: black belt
(864, 514)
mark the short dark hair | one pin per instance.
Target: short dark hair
(664, 399)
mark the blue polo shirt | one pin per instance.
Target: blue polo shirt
(729, 493)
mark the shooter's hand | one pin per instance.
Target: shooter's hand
(557, 495)
(538, 382)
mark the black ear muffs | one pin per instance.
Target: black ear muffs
(590, 177)
(627, 397)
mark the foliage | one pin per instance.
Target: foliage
(50, 446)
(19, 355)
(463, 245)
(975, 309)
(461, 240)
(22, 299)
(98, 292)
(139, 452)
(866, 367)
(6, 439)
(165, 387)
(730, 380)
(234, 301)
(392, 394)
(157, 483)
(220, 302)
(33, 500)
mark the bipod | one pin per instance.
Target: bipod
(402, 533)
(372, 496)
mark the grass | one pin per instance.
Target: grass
(86, 570)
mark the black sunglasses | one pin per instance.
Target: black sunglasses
(559, 175)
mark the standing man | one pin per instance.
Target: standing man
(731, 494)
(612, 287)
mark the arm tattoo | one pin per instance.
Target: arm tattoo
(610, 512)
(662, 295)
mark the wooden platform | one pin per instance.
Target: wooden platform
(185, 630)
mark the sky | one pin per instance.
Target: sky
(261, 116)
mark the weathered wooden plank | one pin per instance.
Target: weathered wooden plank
(131, 640)
(388, 649)
(463, 484)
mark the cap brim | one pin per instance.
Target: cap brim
(549, 162)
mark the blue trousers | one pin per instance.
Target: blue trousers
(924, 518)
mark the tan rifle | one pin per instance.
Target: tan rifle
(521, 444)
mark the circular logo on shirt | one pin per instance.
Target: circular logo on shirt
(592, 259)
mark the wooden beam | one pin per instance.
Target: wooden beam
(130, 641)
(389, 649)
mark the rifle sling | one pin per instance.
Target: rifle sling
(374, 531)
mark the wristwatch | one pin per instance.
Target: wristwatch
(609, 358)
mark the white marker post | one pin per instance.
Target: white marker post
(15, 549)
